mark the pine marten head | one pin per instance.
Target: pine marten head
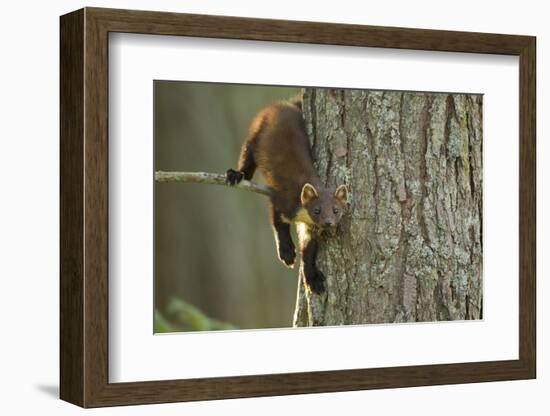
(324, 206)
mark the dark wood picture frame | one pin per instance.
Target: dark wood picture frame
(84, 207)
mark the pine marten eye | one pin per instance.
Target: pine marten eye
(335, 210)
(317, 211)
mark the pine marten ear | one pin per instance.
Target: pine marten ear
(341, 194)
(309, 193)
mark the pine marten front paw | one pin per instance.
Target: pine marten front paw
(233, 177)
(287, 255)
(316, 283)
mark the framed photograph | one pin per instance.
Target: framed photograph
(255, 207)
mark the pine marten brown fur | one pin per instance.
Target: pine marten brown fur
(277, 145)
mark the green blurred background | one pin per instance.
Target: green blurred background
(215, 261)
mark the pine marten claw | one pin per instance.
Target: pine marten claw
(287, 256)
(288, 263)
(317, 285)
(233, 177)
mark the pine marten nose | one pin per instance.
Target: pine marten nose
(328, 223)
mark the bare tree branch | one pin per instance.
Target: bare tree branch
(210, 179)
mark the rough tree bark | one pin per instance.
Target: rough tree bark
(410, 247)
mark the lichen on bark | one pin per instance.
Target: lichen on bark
(410, 246)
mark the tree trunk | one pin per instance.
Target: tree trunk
(410, 247)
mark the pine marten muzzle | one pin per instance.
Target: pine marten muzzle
(277, 145)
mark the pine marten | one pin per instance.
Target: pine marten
(277, 144)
